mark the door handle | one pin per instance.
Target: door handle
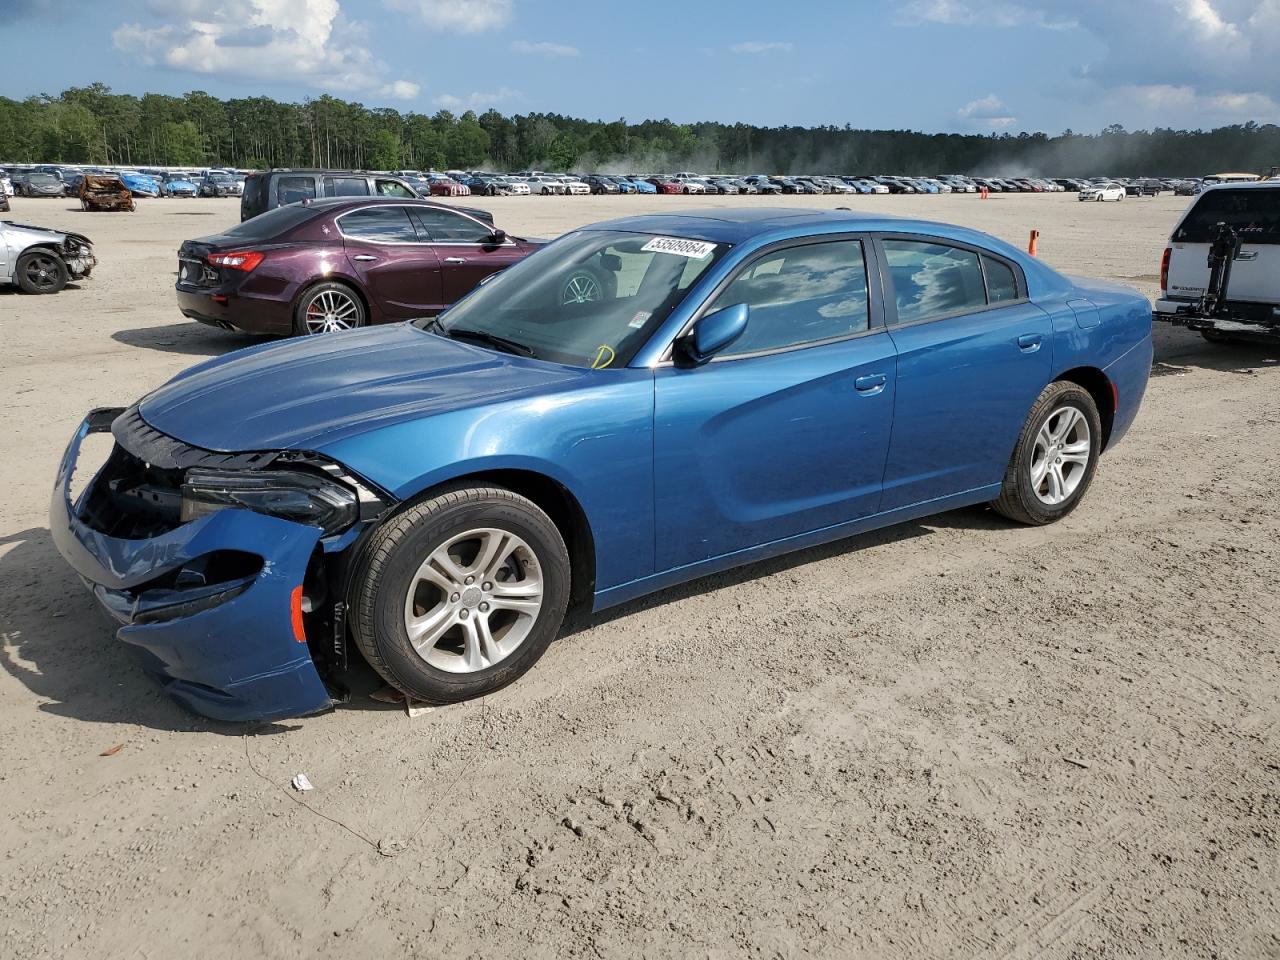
(871, 384)
(455, 259)
(1247, 255)
(1029, 342)
(364, 258)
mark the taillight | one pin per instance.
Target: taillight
(244, 260)
(1164, 269)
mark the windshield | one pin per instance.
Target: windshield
(591, 299)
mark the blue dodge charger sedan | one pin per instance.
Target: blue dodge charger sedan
(640, 402)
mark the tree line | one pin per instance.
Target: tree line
(93, 125)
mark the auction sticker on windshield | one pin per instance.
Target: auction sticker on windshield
(693, 249)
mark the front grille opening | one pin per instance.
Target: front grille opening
(131, 499)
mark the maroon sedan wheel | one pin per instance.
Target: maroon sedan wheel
(328, 308)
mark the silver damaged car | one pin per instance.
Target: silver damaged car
(40, 260)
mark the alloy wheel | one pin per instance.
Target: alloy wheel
(42, 272)
(1060, 457)
(330, 311)
(474, 600)
(581, 288)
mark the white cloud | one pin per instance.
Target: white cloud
(400, 90)
(464, 16)
(243, 39)
(989, 111)
(1164, 104)
(761, 46)
(1201, 61)
(476, 101)
(545, 48)
(980, 13)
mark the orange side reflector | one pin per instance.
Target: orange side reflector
(295, 614)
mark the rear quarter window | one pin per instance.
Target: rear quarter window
(1253, 213)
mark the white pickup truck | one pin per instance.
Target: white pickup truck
(1221, 270)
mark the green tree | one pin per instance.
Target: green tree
(182, 144)
(384, 150)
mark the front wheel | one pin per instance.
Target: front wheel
(1055, 457)
(41, 271)
(461, 594)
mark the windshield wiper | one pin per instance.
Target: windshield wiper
(493, 340)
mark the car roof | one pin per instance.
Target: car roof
(331, 203)
(738, 225)
(1244, 185)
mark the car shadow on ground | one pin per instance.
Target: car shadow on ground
(55, 641)
(12, 290)
(1177, 351)
(970, 518)
(57, 644)
(194, 339)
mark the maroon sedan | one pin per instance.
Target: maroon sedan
(339, 263)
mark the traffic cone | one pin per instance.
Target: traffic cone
(1032, 244)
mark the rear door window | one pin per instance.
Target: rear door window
(1254, 213)
(381, 224)
(933, 279)
(346, 187)
(445, 226)
(296, 189)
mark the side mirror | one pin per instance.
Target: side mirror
(499, 236)
(712, 333)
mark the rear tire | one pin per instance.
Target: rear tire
(1055, 458)
(328, 308)
(478, 624)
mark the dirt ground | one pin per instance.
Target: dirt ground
(955, 738)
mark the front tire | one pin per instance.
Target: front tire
(461, 594)
(1055, 457)
(41, 271)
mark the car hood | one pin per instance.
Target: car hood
(308, 393)
(29, 233)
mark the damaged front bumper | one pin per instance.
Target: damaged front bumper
(213, 608)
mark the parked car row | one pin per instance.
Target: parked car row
(61, 181)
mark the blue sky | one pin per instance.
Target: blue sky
(935, 65)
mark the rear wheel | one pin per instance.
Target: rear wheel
(1055, 458)
(41, 271)
(1217, 336)
(582, 286)
(328, 308)
(461, 594)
